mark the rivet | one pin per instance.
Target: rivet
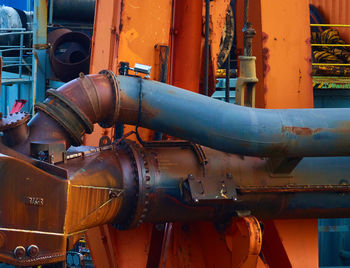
(19, 252)
(33, 251)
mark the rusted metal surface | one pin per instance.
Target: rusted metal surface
(161, 63)
(14, 128)
(76, 56)
(43, 128)
(128, 185)
(244, 240)
(32, 222)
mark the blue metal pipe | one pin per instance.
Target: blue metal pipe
(232, 128)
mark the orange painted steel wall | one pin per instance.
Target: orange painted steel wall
(187, 44)
(144, 24)
(282, 47)
(335, 12)
(127, 38)
(189, 40)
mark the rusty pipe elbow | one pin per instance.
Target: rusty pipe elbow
(79, 104)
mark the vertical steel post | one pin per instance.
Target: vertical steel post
(20, 56)
(206, 48)
(39, 49)
(51, 12)
(4, 111)
(227, 86)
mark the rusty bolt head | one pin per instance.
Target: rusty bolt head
(160, 227)
(19, 252)
(33, 251)
(112, 194)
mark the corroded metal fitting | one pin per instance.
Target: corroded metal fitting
(13, 120)
(79, 104)
(67, 115)
(108, 122)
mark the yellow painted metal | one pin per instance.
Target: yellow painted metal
(330, 25)
(331, 79)
(330, 45)
(331, 64)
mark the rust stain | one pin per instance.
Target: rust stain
(121, 24)
(265, 55)
(308, 41)
(309, 69)
(344, 128)
(300, 78)
(301, 131)
(264, 37)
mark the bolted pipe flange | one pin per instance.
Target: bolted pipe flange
(110, 121)
(14, 127)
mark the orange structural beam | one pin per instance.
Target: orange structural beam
(283, 51)
(187, 34)
(291, 243)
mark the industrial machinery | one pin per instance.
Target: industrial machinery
(189, 181)
(58, 194)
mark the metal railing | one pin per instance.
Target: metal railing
(330, 45)
(19, 60)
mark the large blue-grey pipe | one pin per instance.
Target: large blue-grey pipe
(232, 128)
(187, 115)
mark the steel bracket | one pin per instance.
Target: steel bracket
(48, 152)
(205, 188)
(282, 165)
